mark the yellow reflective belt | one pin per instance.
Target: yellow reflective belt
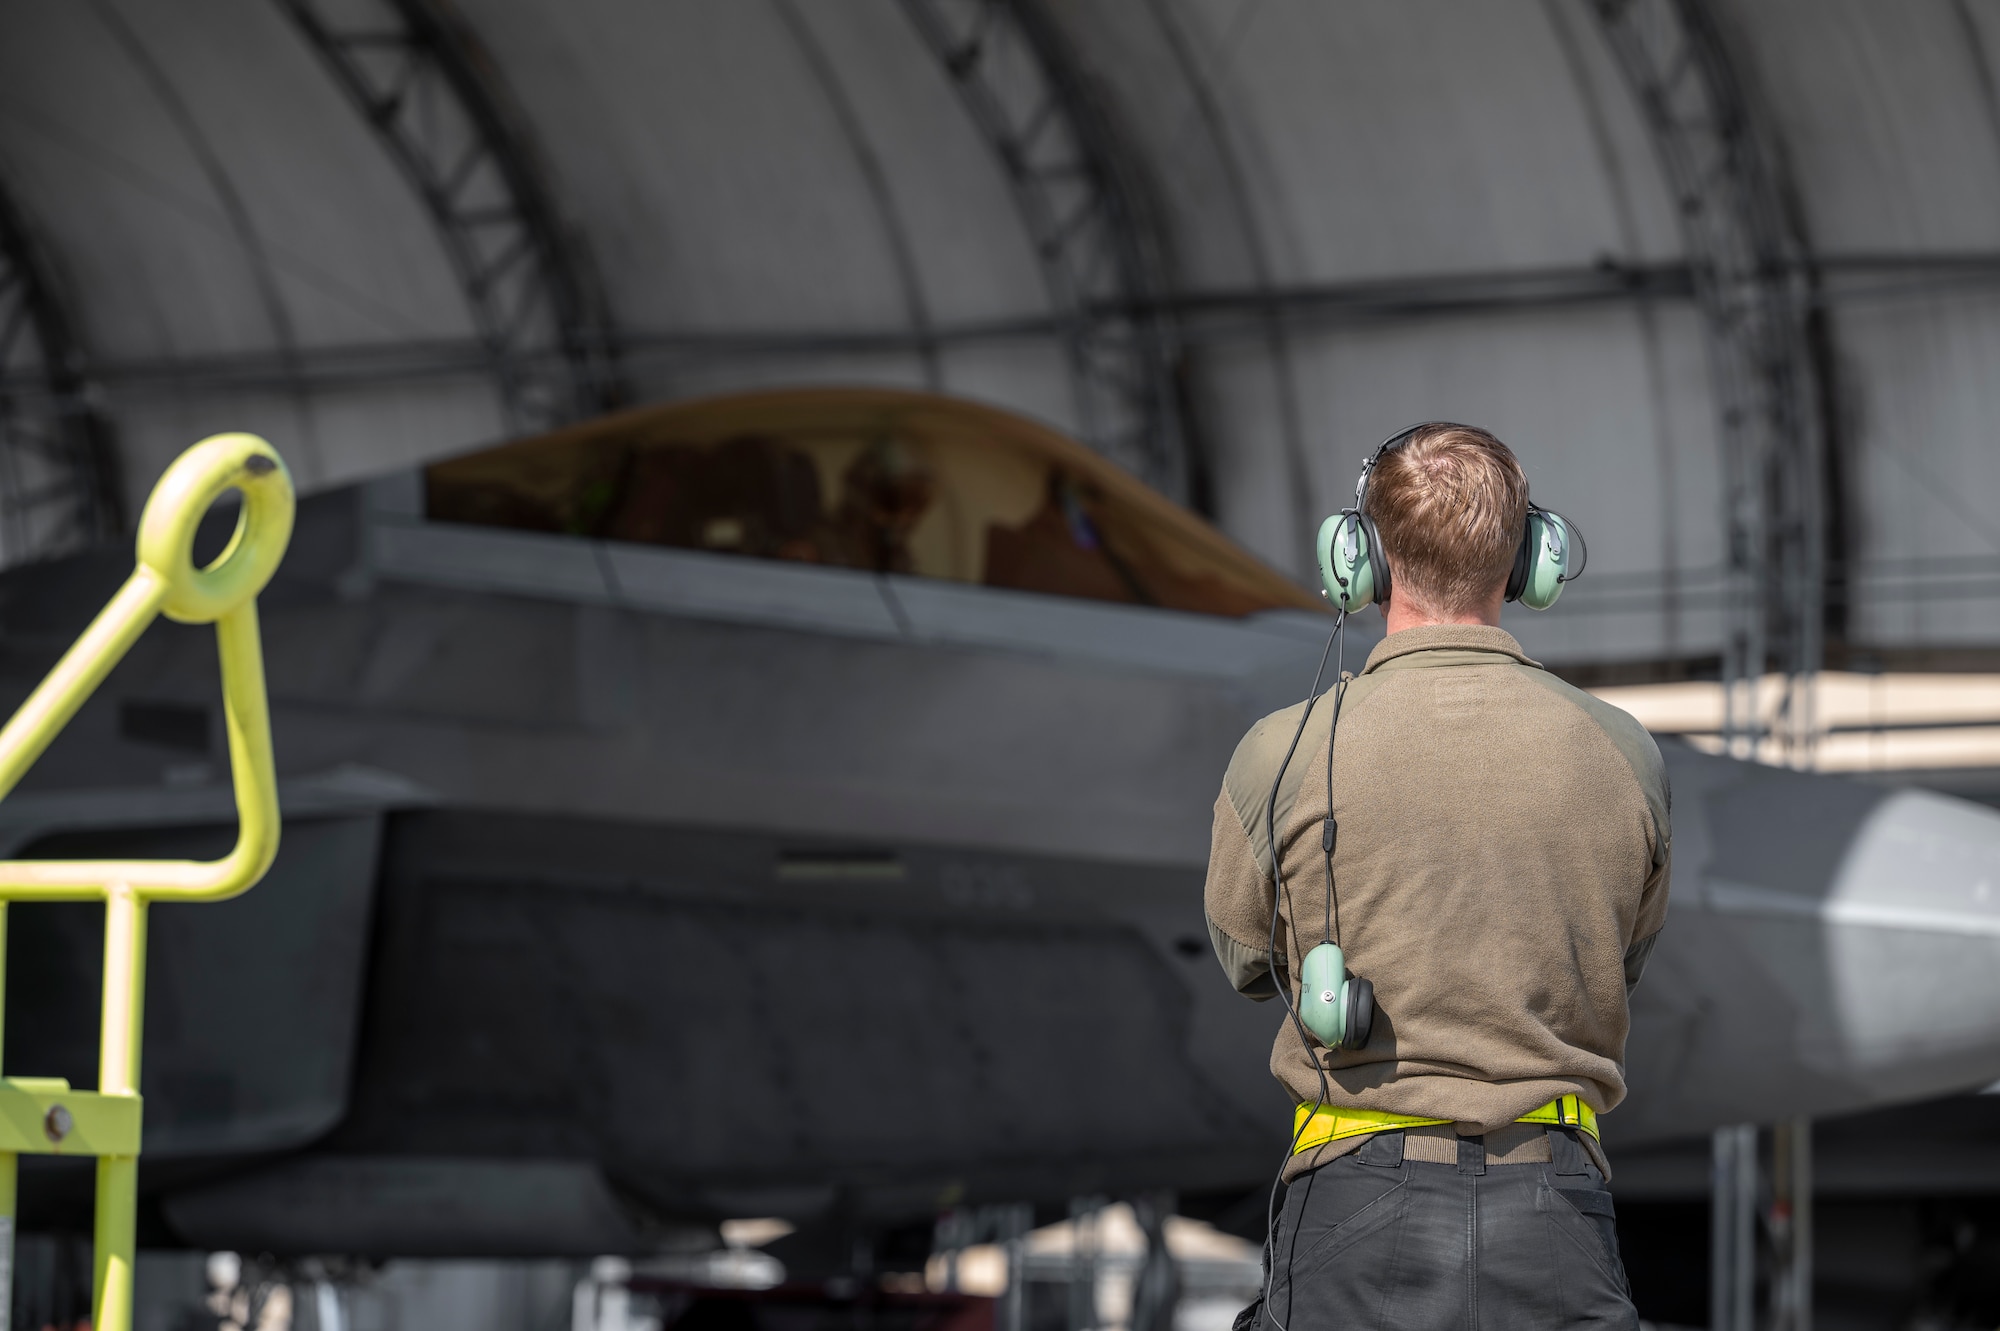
(1331, 1123)
(1566, 1111)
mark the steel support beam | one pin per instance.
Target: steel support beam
(1753, 281)
(1790, 1225)
(1220, 317)
(58, 481)
(1732, 1229)
(437, 106)
(1103, 257)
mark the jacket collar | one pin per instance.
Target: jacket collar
(1456, 638)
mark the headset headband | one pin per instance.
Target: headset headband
(1368, 467)
(1375, 458)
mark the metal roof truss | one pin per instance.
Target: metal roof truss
(1102, 259)
(1753, 282)
(57, 488)
(436, 105)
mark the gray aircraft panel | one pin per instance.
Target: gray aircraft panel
(886, 607)
(1832, 945)
(413, 1206)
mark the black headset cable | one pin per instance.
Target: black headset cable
(1281, 894)
(1331, 831)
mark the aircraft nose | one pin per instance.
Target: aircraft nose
(1831, 946)
(1912, 935)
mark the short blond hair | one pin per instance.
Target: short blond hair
(1450, 504)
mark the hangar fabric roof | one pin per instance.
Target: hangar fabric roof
(1229, 243)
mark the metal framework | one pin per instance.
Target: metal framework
(437, 105)
(1753, 282)
(58, 490)
(1101, 254)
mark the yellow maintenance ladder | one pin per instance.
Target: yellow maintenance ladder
(43, 1115)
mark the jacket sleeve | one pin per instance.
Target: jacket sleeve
(1653, 896)
(1636, 957)
(1238, 898)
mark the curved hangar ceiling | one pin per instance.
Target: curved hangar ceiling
(1722, 272)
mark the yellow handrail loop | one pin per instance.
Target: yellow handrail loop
(167, 582)
(197, 479)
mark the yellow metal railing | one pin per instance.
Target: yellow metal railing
(43, 1115)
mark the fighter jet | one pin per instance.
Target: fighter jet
(796, 805)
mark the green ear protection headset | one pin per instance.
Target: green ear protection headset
(1354, 568)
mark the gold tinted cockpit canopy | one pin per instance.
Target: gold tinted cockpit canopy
(879, 480)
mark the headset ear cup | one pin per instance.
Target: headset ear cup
(1517, 577)
(1548, 548)
(1378, 561)
(1347, 563)
(1360, 1013)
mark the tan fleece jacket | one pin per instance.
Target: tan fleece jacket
(1501, 861)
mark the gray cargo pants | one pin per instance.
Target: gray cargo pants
(1375, 1240)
